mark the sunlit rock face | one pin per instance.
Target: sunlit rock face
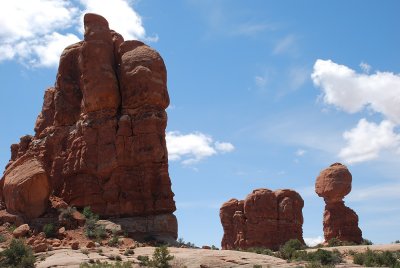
(341, 222)
(100, 137)
(264, 219)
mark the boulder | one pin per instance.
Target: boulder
(264, 219)
(341, 222)
(21, 231)
(26, 188)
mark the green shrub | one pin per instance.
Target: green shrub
(2, 238)
(372, 258)
(88, 213)
(50, 230)
(334, 242)
(289, 248)
(264, 251)
(365, 241)
(160, 259)
(17, 255)
(129, 252)
(214, 247)
(99, 264)
(325, 257)
(257, 266)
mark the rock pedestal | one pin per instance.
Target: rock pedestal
(100, 137)
(264, 219)
(340, 222)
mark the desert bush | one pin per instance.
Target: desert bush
(325, 257)
(334, 242)
(289, 248)
(99, 264)
(257, 266)
(259, 250)
(160, 258)
(2, 238)
(50, 230)
(365, 241)
(214, 247)
(372, 258)
(129, 252)
(17, 255)
(114, 241)
(66, 213)
(88, 213)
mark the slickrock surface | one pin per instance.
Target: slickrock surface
(264, 219)
(100, 137)
(340, 222)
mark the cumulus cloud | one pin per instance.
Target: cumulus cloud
(120, 16)
(313, 241)
(353, 92)
(367, 139)
(35, 32)
(193, 147)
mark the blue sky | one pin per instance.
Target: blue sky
(263, 94)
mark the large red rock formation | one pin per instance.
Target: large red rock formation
(100, 137)
(264, 219)
(340, 222)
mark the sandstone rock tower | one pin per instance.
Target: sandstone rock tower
(100, 137)
(264, 219)
(340, 222)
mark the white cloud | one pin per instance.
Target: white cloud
(365, 67)
(120, 16)
(261, 81)
(367, 139)
(313, 241)
(35, 32)
(301, 152)
(49, 50)
(351, 91)
(224, 147)
(285, 45)
(250, 29)
(193, 147)
(379, 192)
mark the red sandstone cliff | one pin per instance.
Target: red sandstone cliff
(264, 219)
(100, 137)
(340, 222)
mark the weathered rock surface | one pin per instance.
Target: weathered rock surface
(21, 231)
(264, 219)
(340, 222)
(100, 137)
(26, 188)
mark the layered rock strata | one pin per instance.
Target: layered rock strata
(100, 137)
(340, 222)
(264, 219)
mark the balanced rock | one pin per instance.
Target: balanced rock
(264, 219)
(340, 222)
(100, 137)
